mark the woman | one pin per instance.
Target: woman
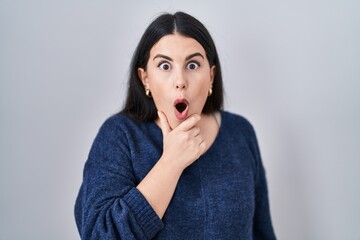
(172, 164)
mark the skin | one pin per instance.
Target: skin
(177, 68)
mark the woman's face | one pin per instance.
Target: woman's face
(178, 76)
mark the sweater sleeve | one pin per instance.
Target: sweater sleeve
(108, 205)
(262, 226)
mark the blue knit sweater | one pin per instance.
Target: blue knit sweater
(222, 195)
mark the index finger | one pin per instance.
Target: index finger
(189, 122)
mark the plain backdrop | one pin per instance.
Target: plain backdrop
(291, 67)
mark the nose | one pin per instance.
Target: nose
(181, 85)
(180, 81)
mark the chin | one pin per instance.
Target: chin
(174, 123)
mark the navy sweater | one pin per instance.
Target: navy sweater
(222, 195)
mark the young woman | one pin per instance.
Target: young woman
(172, 164)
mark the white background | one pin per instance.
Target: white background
(291, 67)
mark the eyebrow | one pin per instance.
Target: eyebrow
(194, 55)
(186, 59)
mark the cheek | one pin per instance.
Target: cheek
(201, 93)
(203, 85)
(159, 91)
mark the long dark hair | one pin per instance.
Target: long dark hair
(141, 107)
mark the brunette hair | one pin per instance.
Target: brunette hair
(141, 107)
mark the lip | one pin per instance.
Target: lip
(181, 115)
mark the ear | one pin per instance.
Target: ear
(212, 73)
(143, 76)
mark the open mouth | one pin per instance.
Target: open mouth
(181, 106)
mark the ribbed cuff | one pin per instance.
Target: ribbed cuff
(144, 213)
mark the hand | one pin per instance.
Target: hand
(184, 144)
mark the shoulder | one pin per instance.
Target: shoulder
(117, 122)
(234, 117)
(117, 134)
(128, 129)
(117, 126)
(238, 122)
(237, 127)
(240, 131)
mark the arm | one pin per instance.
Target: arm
(262, 220)
(182, 146)
(110, 205)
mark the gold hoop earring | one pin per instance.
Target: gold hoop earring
(147, 92)
(210, 92)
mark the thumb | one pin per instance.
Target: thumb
(164, 124)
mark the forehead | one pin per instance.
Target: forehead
(176, 45)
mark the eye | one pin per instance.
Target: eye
(193, 65)
(164, 66)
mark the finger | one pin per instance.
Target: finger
(202, 147)
(164, 124)
(200, 142)
(189, 122)
(195, 131)
(199, 139)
